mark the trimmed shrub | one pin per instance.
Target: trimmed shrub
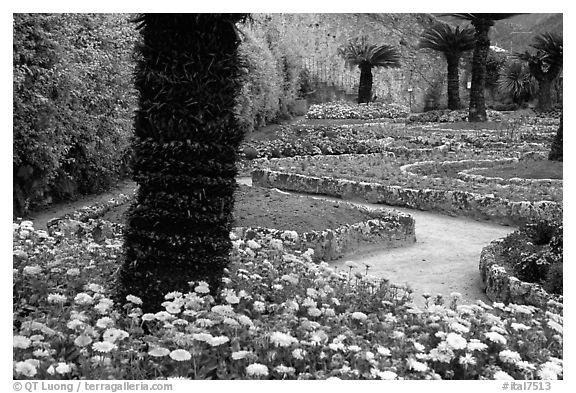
(72, 105)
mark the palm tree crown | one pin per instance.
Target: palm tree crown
(446, 39)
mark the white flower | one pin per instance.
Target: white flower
(180, 355)
(508, 356)
(253, 245)
(73, 272)
(549, 370)
(314, 312)
(25, 368)
(456, 341)
(383, 351)
(282, 339)
(415, 365)
(519, 326)
(219, 340)
(259, 306)
(503, 376)
(158, 352)
(21, 342)
(360, 316)
(419, 347)
(298, 353)
(351, 264)
(94, 288)
(240, 354)
(148, 317)
(112, 335)
(354, 348)
(173, 295)
(206, 337)
(173, 308)
(83, 298)
(31, 270)
(103, 346)
(105, 322)
(257, 369)
(281, 369)
(82, 340)
(458, 327)
(202, 288)
(63, 368)
(104, 305)
(467, 360)
(386, 375)
(496, 337)
(224, 310)
(476, 345)
(163, 316)
(56, 298)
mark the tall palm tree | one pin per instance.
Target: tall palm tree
(452, 42)
(359, 52)
(516, 81)
(482, 24)
(185, 143)
(545, 65)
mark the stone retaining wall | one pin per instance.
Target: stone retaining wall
(455, 203)
(396, 230)
(501, 286)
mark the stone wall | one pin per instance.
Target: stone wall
(503, 287)
(455, 203)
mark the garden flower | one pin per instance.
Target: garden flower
(230, 322)
(163, 316)
(354, 348)
(282, 339)
(21, 342)
(218, 340)
(360, 316)
(63, 368)
(458, 327)
(180, 355)
(105, 322)
(253, 245)
(73, 272)
(205, 337)
(56, 298)
(502, 375)
(467, 360)
(32, 270)
(104, 305)
(555, 326)
(257, 370)
(148, 317)
(337, 346)
(240, 354)
(415, 365)
(351, 264)
(25, 368)
(173, 295)
(519, 326)
(173, 308)
(508, 356)
(549, 370)
(103, 346)
(314, 312)
(158, 352)
(281, 369)
(419, 347)
(202, 288)
(83, 298)
(82, 340)
(496, 337)
(224, 310)
(111, 335)
(244, 320)
(476, 345)
(259, 306)
(298, 353)
(73, 324)
(95, 288)
(383, 351)
(385, 375)
(41, 353)
(456, 341)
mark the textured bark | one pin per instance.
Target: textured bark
(453, 81)
(185, 144)
(477, 110)
(365, 88)
(544, 95)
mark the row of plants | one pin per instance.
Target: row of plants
(278, 316)
(367, 111)
(534, 253)
(385, 169)
(448, 116)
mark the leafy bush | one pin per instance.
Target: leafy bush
(535, 254)
(278, 316)
(72, 104)
(447, 116)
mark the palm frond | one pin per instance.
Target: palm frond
(446, 39)
(359, 51)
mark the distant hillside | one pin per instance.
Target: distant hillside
(517, 32)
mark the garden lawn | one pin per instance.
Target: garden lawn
(543, 169)
(263, 207)
(279, 317)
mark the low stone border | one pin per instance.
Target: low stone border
(393, 229)
(456, 203)
(417, 168)
(503, 287)
(467, 175)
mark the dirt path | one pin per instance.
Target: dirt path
(444, 258)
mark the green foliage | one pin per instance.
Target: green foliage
(72, 104)
(185, 149)
(433, 95)
(449, 40)
(535, 253)
(516, 82)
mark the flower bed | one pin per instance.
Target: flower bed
(455, 203)
(346, 110)
(281, 317)
(386, 167)
(448, 116)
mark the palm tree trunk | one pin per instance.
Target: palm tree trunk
(453, 82)
(365, 88)
(477, 110)
(544, 95)
(185, 144)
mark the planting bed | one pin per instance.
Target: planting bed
(543, 169)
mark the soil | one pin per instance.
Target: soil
(544, 169)
(271, 208)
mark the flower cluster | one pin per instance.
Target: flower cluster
(279, 317)
(347, 110)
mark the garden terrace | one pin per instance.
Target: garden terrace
(386, 169)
